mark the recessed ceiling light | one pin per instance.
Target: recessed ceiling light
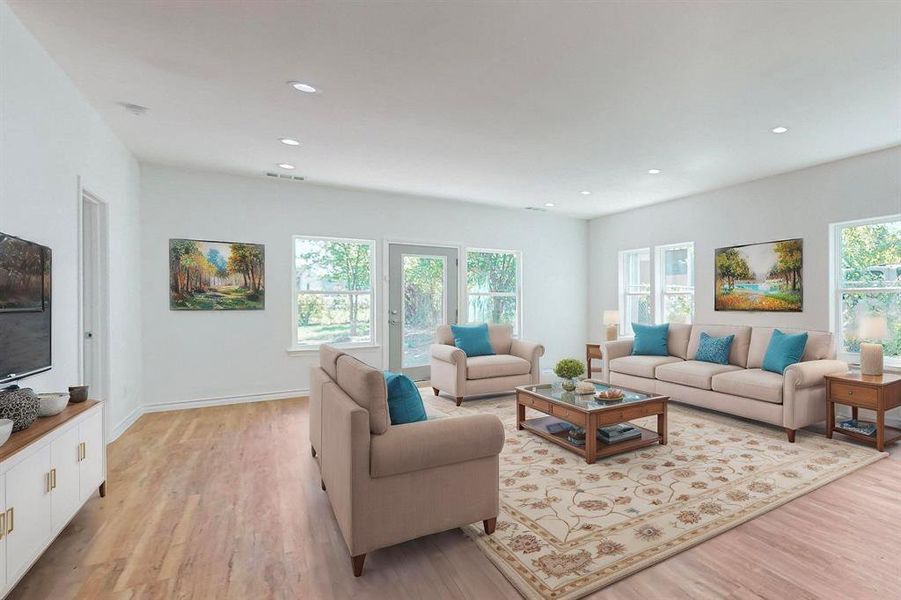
(655, 171)
(549, 204)
(779, 129)
(286, 166)
(289, 141)
(306, 88)
(585, 193)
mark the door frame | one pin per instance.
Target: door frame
(384, 297)
(102, 288)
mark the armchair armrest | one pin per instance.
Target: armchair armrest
(429, 444)
(448, 354)
(811, 372)
(530, 351)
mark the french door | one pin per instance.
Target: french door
(422, 294)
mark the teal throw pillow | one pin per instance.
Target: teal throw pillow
(714, 349)
(650, 340)
(404, 401)
(473, 339)
(784, 349)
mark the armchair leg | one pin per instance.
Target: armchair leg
(357, 563)
(791, 435)
(459, 400)
(434, 389)
(489, 525)
(323, 484)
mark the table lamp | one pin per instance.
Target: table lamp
(611, 320)
(873, 328)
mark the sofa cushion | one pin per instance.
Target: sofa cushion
(714, 349)
(650, 340)
(497, 365)
(783, 350)
(640, 366)
(819, 345)
(501, 337)
(677, 340)
(750, 383)
(473, 339)
(738, 353)
(365, 386)
(404, 402)
(692, 373)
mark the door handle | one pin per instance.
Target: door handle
(394, 321)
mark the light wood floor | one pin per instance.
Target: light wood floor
(225, 503)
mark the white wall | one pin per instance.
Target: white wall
(49, 136)
(215, 355)
(797, 204)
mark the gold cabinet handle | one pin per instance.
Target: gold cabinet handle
(10, 520)
(53, 479)
(82, 451)
(2, 525)
(49, 482)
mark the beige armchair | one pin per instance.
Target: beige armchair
(514, 363)
(391, 483)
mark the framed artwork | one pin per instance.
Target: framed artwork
(760, 277)
(207, 275)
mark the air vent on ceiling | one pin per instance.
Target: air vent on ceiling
(536, 209)
(283, 176)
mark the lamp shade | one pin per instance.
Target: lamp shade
(873, 327)
(611, 317)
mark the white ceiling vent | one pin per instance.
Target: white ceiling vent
(283, 176)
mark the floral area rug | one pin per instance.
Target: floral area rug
(567, 528)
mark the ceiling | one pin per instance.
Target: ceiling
(510, 104)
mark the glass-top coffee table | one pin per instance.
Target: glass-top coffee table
(589, 413)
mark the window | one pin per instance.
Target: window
(675, 283)
(866, 285)
(634, 288)
(492, 287)
(333, 300)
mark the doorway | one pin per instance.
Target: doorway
(422, 294)
(94, 295)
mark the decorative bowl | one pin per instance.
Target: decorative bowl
(584, 387)
(52, 403)
(610, 394)
(20, 405)
(6, 428)
(78, 393)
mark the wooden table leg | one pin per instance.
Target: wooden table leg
(591, 438)
(880, 429)
(520, 414)
(830, 419)
(661, 426)
(854, 412)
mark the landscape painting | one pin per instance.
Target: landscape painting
(760, 277)
(205, 275)
(24, 275)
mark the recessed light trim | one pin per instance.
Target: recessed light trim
(550, 204)
(288, 166)
(779, 129)
(300, 86)
(585, 192)
(654, 171)
(289, 141)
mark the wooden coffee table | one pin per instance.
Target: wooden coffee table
(589, 413)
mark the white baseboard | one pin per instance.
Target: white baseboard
(223, 400)
(125, 423)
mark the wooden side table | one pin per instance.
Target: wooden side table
(878, 393)
(592, 351)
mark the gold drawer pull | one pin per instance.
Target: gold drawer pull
(82, 451)
(10, 520)
(53, 479)
(2, 525)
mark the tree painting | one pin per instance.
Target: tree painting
(760, 277)
(206, 275)
(24, 275)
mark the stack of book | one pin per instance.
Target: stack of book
(858, 427)
(612, 434)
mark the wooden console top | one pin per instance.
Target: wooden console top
(41, 426)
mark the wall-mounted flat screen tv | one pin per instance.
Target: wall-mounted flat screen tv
(24, 308)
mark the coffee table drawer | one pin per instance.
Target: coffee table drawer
(566, 414)
(535, 403)
(857, 395)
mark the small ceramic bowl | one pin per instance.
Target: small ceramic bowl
(6, 428)
(78, 393)
(52, 404)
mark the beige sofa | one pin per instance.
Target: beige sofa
(392, 483)
(514, 363)
(795, 399)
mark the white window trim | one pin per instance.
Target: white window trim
(295, 347)
(621, 288)
(835, 297)
(660, 279)
(516, 294)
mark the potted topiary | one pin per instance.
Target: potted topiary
(568, 369)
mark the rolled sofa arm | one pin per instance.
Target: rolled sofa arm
(429, 444)
(617, 349)
(448, 354)
(530, 351)
(810, 373)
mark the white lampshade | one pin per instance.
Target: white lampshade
(873, 327)
(611, 317)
